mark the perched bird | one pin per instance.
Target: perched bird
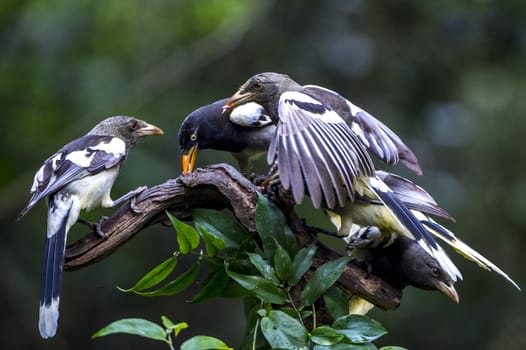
(322, 139)
(245, 132)
(319, 154)
(198, 127)
(401, 264)
(79, 176)
(421, 205)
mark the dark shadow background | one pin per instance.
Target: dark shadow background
(448, 77)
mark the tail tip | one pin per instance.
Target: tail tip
(48, 320)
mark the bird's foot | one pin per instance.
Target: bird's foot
(96, 226)
(357, 242)
(132, 196)
(133, 200)
(257, 179)
(133, 206)
(271, 182)
(272, 178)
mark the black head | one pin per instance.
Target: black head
(405, 262)
(423, 271)
(208, 127)
(265, 89)
(129, 129)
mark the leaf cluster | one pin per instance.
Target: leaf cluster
(270, 272)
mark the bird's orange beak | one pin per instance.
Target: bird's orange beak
(188, 160)
(238, 99)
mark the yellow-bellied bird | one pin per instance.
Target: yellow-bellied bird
(421, 205)
(79, 176)
(208, 128)
(318, 151)
(319, 154)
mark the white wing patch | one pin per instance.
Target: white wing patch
(83, 158)
(296, 99)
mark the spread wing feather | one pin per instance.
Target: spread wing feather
(381, 141)
(310, 140)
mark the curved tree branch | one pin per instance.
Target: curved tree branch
(216, 187)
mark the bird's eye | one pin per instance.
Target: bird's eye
(134, 125)
(258, 86)
(435, 271)
(193, 137)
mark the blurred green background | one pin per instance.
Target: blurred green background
(448, 77)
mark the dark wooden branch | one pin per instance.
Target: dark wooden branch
(216, 187)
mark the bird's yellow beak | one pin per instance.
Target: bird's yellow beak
(449, 291)
(149, 129)
(238, 99)
(188, 160)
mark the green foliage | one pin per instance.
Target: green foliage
(265, 275)
(151, 330)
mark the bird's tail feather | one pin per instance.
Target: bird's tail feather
(52, 278)
(462, 248)
(414, 228)
(403, 215)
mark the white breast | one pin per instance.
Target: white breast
(93, 190)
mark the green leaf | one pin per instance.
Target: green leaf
(324, 277)
(272, 226)
(392, 348)
(325, 335)
(358, 328)
(337, 302)
(223, 225)
(282, 263)
(156, 275)
(212, 286)
(263, 267)
(261, 287)
(179, 284)
(283, 331)
(187, 236)
(176, 328)
(136, 326)
(302, 262)
(344, 346)
(204, 342)
(213, 244)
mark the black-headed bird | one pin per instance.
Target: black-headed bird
(421, 205)
(403, 263)
(245, 133)
(79, 176)
(208, 128)
(319, 154)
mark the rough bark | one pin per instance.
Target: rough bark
(216, 187)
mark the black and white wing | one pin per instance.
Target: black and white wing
(460, 247)
(317, 153)
(381, 141)
(413, 196)
(82, 157)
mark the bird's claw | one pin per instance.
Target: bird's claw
(133, 200)
(359, 243)
(96, 226)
